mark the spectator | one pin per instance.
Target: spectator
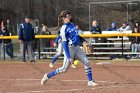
(135, 41)
(125, 27)
(95, 29)
(45, 42)
(113, 27)
(26, 38)
(7, 42)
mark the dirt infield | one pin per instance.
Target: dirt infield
(117, 77)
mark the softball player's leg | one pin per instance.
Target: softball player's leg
(62, 69)
(80, 55)
(60, 50)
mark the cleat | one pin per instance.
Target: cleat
(44, 79)
(92, 83)
(73, 66)
(51, 65)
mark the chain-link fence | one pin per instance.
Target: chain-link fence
(116, 11)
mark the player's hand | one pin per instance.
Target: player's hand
(55, 45)
(71, 60)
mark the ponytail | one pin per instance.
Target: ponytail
(61, 15)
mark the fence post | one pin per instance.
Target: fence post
(122, 47)
(39, 48)
(3, 51)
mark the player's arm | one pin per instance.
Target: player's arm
(65, 41)
(57, 39)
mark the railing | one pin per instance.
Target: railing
(122, 37)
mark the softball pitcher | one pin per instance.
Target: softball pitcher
(70, 41)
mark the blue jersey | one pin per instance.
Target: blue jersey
(69, 35)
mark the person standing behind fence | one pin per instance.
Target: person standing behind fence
(95, 29)
(45, 42)
(7, 42)
(26, 37)
(135, 41)
(113, 27)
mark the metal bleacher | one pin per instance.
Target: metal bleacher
(102, 50)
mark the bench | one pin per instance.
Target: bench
(114, 45)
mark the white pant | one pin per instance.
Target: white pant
(75, 52)
(59, 49)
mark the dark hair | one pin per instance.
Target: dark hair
(135, 26)
(125, 23)
(64, 13)
(60, 16)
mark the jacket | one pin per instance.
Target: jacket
(6, 33)
(26, 32)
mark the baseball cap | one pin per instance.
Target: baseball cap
(29, 17)
(113, 24)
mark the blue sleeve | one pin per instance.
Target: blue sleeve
(57, 39)
(20, 33)
(66, 49)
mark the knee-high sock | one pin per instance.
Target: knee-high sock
(55, 58)
(53, 73)
(89, 73)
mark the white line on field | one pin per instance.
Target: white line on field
(54, 79)
(70, 90)
(64, 90)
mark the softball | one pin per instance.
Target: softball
(76, 62)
